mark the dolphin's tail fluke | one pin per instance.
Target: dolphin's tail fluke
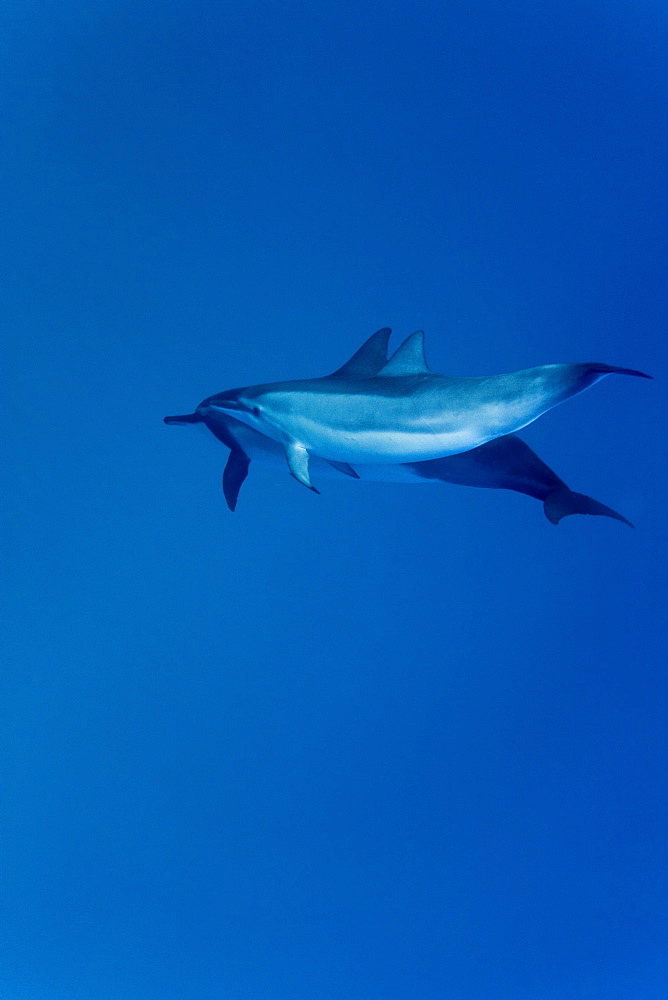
(562, 502)
(614, 370)
(185, 418)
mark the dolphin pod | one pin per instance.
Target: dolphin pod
(403, 414)
(503, 462)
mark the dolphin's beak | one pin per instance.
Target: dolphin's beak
(186, 418)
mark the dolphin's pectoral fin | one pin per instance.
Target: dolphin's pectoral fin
(298, 457)
(235, 472)
(343, 467)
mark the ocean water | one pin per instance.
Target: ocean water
(387, 743)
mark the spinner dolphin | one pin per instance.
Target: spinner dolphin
(503, 463)
(403, 414)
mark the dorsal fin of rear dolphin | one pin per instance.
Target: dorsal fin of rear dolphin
(408, 359)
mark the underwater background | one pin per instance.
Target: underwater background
(391, 742)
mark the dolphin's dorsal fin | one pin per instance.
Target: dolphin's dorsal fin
(369, 359)
(409, 358)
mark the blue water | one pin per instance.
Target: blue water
(392, 742)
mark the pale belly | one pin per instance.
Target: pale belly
(270, 455)
(378, 447)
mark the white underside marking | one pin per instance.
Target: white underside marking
(393, 447)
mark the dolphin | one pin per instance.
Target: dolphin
(403, 414)
(503, 463)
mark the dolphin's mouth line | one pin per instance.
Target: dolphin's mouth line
(227, 404)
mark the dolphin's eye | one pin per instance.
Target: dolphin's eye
(256, 411)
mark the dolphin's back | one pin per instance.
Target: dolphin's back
(414, 417)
